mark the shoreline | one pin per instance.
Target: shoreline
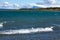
(34, 9)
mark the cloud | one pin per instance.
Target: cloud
(7, 5)
(51, 1)
(34, 5)
(37, 5)
(26, 6)
(45, 4)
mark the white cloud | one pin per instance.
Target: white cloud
(37, 5)
(46, 4)
(26, 6)
(7, 5)
(52, 1)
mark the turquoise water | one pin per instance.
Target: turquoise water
(41, 18)
(14, 20)
(28, 15)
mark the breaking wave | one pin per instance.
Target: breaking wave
(27, 31)
(1, 25)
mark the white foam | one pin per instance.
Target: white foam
(4, 22)
(1, 25)
(27, 31)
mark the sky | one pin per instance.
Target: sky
(20, 1)
(24, 2)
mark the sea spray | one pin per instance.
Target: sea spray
(26, 31)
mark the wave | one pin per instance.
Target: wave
(56, 25)
(27, 31)
(1, 25)
(4, 22)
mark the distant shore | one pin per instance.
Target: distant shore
(34, 9)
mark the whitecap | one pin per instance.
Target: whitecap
(27, 31)
(1, 25)
(4, 22)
